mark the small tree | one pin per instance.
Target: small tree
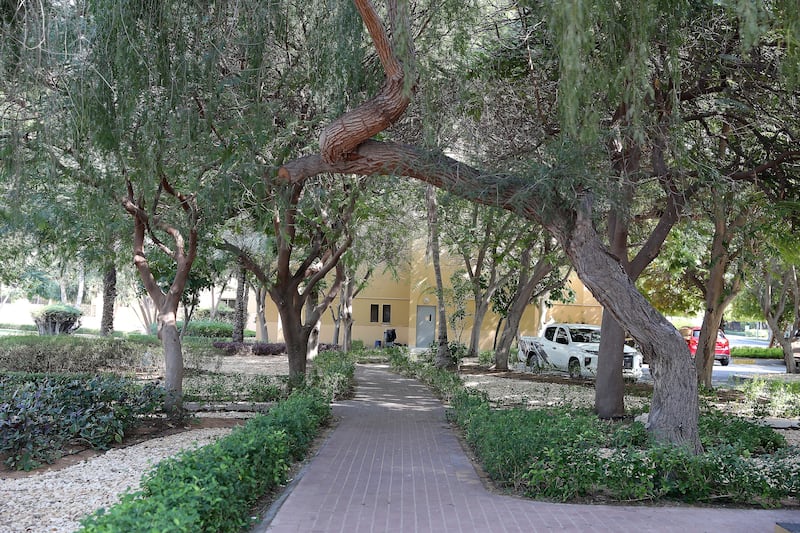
(57, 319)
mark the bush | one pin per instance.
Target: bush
(772, 397)
(564, 454)
(57, 319)
(40, 414)
(215, 329)
(752, 352)
(211, 489)
(334, 374)
(69, 354)
(217, 387)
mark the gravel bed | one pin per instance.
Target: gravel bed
(55, 501)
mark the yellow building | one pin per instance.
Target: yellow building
(407, 303)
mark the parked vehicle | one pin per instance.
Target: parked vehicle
(722, 352)
(572, 348)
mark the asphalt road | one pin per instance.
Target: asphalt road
(724, 374)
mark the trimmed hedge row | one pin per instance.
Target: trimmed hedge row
(756, 352)
(67, 353)
(211, 489)
(207, 328)
(261, 348)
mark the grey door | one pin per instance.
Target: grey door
(426, 325)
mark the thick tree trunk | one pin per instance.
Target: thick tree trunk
(296, 337)
(173, 358)
(109, 300)
(609, 398)
(674, 409)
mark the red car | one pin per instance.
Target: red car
(723, 348)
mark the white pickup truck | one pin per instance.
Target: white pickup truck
(572, 348)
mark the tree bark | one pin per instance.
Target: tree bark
(528, 281)
(109, 300)
(166, 303)
(240, 314)
(262, 333)
(442, 359)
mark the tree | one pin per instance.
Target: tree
(486, 239)
(443, 357)
(345, 147)
(533, 281)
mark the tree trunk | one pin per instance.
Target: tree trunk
(609, 398)
(81, 285)
(481, 307)
(296, 337)
(526, 287)
(173, 357)
(109, 299)
(674, 409)
(262, 333)
(240, 313)
(442, 359)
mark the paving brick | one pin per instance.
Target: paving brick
(393, 464)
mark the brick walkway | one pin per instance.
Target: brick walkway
(393, 464)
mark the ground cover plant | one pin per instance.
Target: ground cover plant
(212, 488)
(772, 397)
(566, 453)
(41, 413)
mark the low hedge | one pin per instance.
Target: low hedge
(215, 329)
(211, 489)
(67, 353)
(568, 454)
(753, 352)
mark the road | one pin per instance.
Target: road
(722, 375)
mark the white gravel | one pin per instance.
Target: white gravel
(55, 501)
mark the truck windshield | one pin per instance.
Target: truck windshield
(585, 335)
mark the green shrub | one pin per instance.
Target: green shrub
(57, 319)
(486, 357)
(564, 454)
(70, 354)
(230, 387)
(753, 352)
(213, 488)
(39, 414)
(772, 397)
(334, 374)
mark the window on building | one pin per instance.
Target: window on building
(374, 309)
(387, 314)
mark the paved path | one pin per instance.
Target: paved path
(393, 464)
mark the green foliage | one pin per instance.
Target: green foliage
(486, 357)
(754, 352)
(40, 414)
(566, 454)
(211, 489)
(230, 387)
(333, 373)
(57, 319)
(772, 397)
(69, 354)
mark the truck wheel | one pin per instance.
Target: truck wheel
(574, 368)
(725, 362)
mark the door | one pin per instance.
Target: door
(426, 325)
